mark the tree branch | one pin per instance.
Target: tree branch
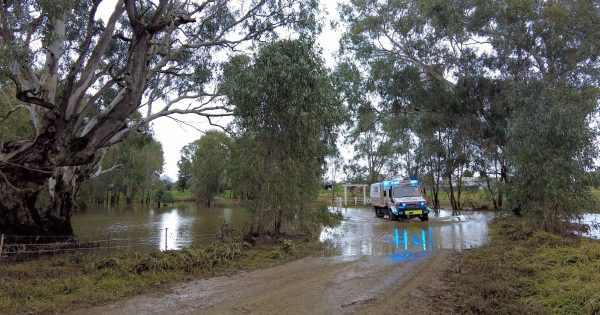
(5, 117)
(26, 167)
(84, 47)
(8, 182)
(100, 171)
(88, 72)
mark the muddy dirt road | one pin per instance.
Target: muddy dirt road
(371, 266)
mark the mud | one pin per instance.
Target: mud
(371, 266)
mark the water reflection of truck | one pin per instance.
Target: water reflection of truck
(399, 199)
(410, 243)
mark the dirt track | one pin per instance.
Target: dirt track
(383, 276)
(307, 286)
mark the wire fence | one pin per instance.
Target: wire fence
(15, 248)
(343, 202)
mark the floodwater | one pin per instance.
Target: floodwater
(362, 234)
(592, 220)
(371, 266)
(148, 228)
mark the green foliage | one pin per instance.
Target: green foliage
(209, 165)
(226, 233)
(505, 88)
(15, 123)
(138, 161)
(376, 134)
(179, 195)
(557, 143)
(287, 113)
(163, 197)
(245, 165)
(185, 166)
(288, 247)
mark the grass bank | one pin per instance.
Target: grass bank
(468, 199)
(61, 283)
(523, 271)
(181, 195)
(596, 195)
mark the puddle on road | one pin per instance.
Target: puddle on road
(361, 234)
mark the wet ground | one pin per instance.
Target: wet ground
(361, 234)
(370, 266)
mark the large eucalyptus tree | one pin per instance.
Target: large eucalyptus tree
(287, 114)
(82, 77)
(518, 78)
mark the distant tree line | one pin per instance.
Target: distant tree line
(133, 169)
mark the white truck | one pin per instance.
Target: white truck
(399, 199)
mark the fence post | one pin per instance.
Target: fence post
(355, 201)
(108, 247)
(345, 196)
(166, 239)
(1, 245)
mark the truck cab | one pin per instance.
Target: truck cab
(399, 199)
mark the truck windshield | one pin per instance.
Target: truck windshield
(406, 191)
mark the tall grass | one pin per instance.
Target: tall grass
(62, 283)
(525, 271)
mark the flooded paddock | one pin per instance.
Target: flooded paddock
(148, 228)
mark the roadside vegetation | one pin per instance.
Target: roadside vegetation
(522, 271)
(66, 282)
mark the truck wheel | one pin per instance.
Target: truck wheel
(379, 212)
(424, 217)
(392, 216)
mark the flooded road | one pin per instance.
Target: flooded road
(362, 234)
(370, 266)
